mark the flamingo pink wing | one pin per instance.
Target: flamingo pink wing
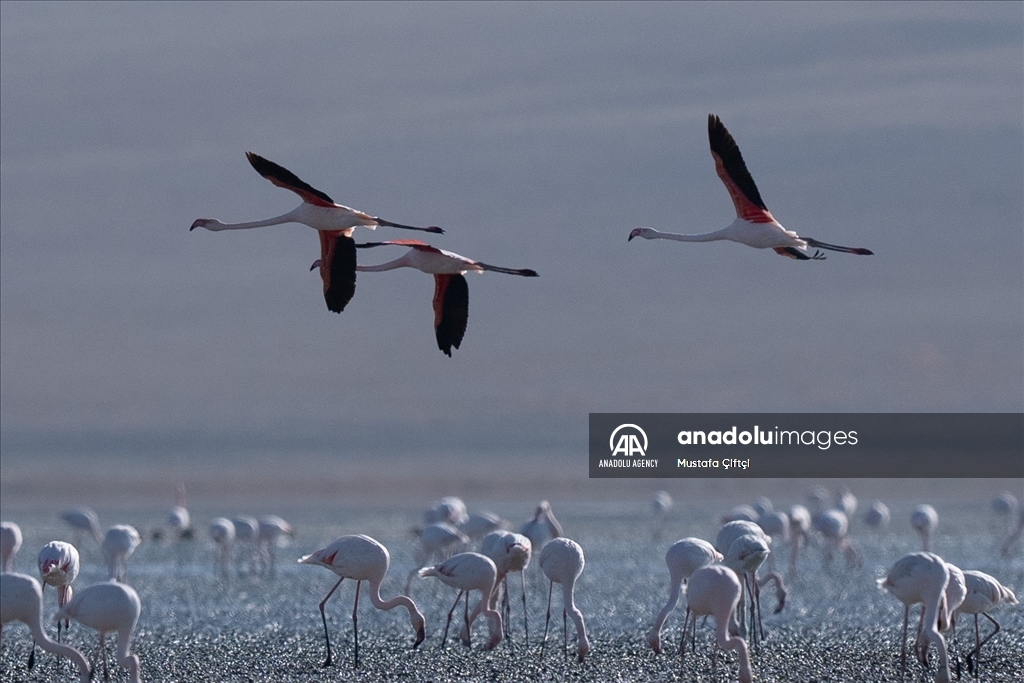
(337, 268)
(451, 311)
(282, 177)
(733, 171)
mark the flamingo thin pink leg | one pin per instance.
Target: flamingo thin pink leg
(323, 616)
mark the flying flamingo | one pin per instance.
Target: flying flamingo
(334, 222)
(984, 593)
(715, 590)
(922, 577)
(108, 607)
(10, 542)
(562, 562)
(470, 572)
(119, 543)
(21, 599)
(510, 552)
(222, 531)
(363, 559)
(58, 566)
(683, 558)
(272, 531)
(82, 521)
(924, 519)
(451, 293)
(754, 225)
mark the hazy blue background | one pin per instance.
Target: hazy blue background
(538, 135)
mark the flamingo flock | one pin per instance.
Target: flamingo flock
(715, 579)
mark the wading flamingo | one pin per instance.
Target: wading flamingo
(754, 225)
(272, 531)
(877, 515)
(222, 531)
(470, 572)
(10, 542)
(21, 599)
(542, 528)
(715, 591)
(661, 503)
(451, 293)
(922, 577)
(984, 593)
(335, 224)
(436, 540)
(247, 531)
(684, 558)
(510, 552)
(108, 607)
(82, 521)
(119, 543)
(363, 559)
(477, 525)
(562, 562)
(924, 519)
(58, 567)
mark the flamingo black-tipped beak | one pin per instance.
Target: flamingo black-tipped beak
(420, 635)
(436, 230)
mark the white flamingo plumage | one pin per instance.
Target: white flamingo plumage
(450, 509)
(108, 607)
(334, 223)
(922, 577)
(222, 531)
(542, 528)
(361, 558)
(451, 292)
(924, 519)
(83, 521)
(436, 540)
(272, 531)
(983, 594)
(21, 599)
(754, 225)
(877, 515)
(58, 566)
(683, 558)
(119, 543)
(510, 552)
(469, 572)
(10, 543)
(479, 524)
(715, 590)
(562, 562)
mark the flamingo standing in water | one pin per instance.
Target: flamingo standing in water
(877, 515)
(542, 528)
(82, 521)
(984, 593)
(119, 543)
(562, 562)
(108, 607)
(715, 590)
(510, 552)
(58, 566)
(684, 558)
(754, 225)
(451, 293)
(470, 572)
(924, 519)
(222, 531)
(21, 599)
(272, 531)
(334, 222)
(363, 559)
(922, 577)
(661, 503)
(438, 539)
(10, 542)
